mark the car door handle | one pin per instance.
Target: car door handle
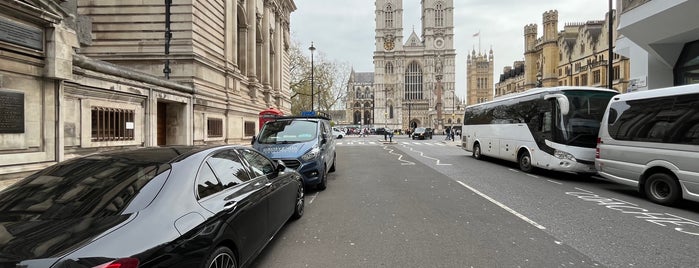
(268, 184)
(230, 204)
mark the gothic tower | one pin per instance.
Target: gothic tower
(530, 56)
(479, 73)
(549, 45)
(414, 79)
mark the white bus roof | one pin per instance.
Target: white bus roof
(660, 92)
(540, 90)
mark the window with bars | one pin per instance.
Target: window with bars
(584, 79)
(596, 77)
(214, 127)
(111, 124)
(249, 128)
(617, 73)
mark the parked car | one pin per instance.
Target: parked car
(421, 133)
(149, 207)
(337, 133)
(302, 143)
(382, 131)
(650, 140)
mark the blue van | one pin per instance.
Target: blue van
(305, 144)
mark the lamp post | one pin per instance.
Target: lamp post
(312, 49)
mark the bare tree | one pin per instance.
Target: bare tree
(329, 78)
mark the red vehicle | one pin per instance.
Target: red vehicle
(269, 115)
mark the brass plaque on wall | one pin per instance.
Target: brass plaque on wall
(11, 112)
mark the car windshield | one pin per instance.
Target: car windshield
(94, 186)
(420, 130)
(288, 131)
(581, 125)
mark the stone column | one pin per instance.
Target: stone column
(265, 64)
(252, 41)
(231, 32)
(278, 52)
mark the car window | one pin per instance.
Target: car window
(288, 131)
(228, 168)
(207, 183)
(259, 164)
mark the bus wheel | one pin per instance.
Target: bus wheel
(525, 162)
(662, 188)
(477, 151)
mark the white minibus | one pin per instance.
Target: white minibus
(650, 140)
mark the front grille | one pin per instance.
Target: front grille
(291, 163)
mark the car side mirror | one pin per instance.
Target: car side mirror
(562, 100)
(280, 166)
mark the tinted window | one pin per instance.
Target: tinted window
(207, 184)
(667, 119)
(94, 186)
(259, 164)
(228, 168)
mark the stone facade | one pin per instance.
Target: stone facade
(85, 81)
(360, 99)
(479, 73)
(413, 78)
(576, 56)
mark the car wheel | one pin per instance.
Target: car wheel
(323, 181)
(525, 162)
(300, 203)
(222, 257)
(477, 151)
(662, 188)
(332, 167)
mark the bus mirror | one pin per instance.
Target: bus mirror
(563, 103)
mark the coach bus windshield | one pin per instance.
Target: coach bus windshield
(580, 126)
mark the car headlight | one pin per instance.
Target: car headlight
(563, 155)
(312, 154)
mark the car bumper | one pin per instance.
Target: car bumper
(310, 171)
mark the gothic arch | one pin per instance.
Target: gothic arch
(413, 81)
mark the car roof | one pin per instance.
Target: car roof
(160, 155)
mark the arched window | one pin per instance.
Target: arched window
(413, 82)
(390, 111)
(357, 118)
(389, 16)
(389, 67)
(439, 15)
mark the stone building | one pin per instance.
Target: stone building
(413, 78)
(576, 56)
(479, 76)
(360, 98)
(76, 79)
(511, 80)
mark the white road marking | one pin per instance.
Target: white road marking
(513, 170)
(313, 197)
(533, 176)
(559, 183)
(508, 209)
(400, 157)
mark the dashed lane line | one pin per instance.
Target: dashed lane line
(508, 209)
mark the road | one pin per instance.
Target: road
(428, 204)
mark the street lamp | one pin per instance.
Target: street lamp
(312, 48)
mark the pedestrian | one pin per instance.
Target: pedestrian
(453, 132)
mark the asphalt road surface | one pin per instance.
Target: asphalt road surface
(390, 206)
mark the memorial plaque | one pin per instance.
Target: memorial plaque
(11, 112)
(21, 34)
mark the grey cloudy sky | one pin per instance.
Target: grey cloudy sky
(343, 30)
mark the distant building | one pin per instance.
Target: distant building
(576, 56)
(661, 39)
(479, 73)
(414, 78)
(360, 98)
(511, 80)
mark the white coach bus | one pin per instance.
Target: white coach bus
(550, 128)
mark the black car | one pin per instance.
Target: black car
(421, 133)
(149, 207)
